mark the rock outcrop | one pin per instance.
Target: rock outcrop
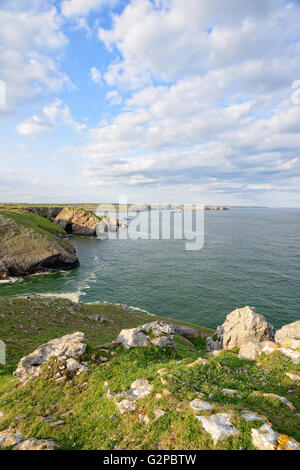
(36, 444)
(158, 333)
(27, 247)
(77, 221)
(126, 401)
(13, 438)
(186, 331)
(242, 326)
(253, 335)
(218, 426)
(49, 213)
(69, 346)
(289, 336)
(266, 438)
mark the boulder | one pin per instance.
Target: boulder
(10, 437)
(250, 351)
(162, 331)
(138, 389)
(242, 326)
(289, 336)
(159, 327)
(162, 341)
(125, 406)
(186, 331)
(266, 438)
(36, 444)
(252, 416)
(71, 346)
(200, 405)
(218, 426)
(133, 338)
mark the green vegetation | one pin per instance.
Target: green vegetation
(35, 222)
(92, 421)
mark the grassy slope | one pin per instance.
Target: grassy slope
(94, 422)
(35, 222)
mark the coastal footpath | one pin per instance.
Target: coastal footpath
(95, 376)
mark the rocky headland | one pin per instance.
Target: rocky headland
(36, 239)
(30, 244)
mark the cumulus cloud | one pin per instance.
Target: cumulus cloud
(54, 113)
(114, 97)
(33, 125)
(192, 36)
(95, 75)
(209, 108)
(29, 41)
(72, 8)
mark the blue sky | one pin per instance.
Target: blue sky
(180, 101)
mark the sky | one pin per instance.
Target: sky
(159, 101)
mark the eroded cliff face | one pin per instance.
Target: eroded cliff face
(47, 212)
(77, 221)
(27, 247)
(83, 222)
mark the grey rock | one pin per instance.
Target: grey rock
(71, 346)
(36, 444)
(133, 338)
(242, 326)
(218, 426)
(200, 405)
(289, 336)
(10, 437)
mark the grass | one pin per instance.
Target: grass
(93, 421)
(35, 222)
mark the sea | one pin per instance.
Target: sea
(250, 256)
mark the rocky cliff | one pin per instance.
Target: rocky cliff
(82, 222)
(49, 213)
(30, 243)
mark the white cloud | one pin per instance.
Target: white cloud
(114, 97)
(95, 75)
(29, 39)
(187, 37)
(54, 113)
(84, 7)
(33, 125)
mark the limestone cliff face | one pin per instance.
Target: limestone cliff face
(77, 221)
(82, 222)
(29, 246)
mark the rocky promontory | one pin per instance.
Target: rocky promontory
(29, 244)
(82, 222)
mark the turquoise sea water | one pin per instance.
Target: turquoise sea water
(250, 257)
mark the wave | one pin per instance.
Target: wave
(11, 280)
(128, 308)
(72, 296)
